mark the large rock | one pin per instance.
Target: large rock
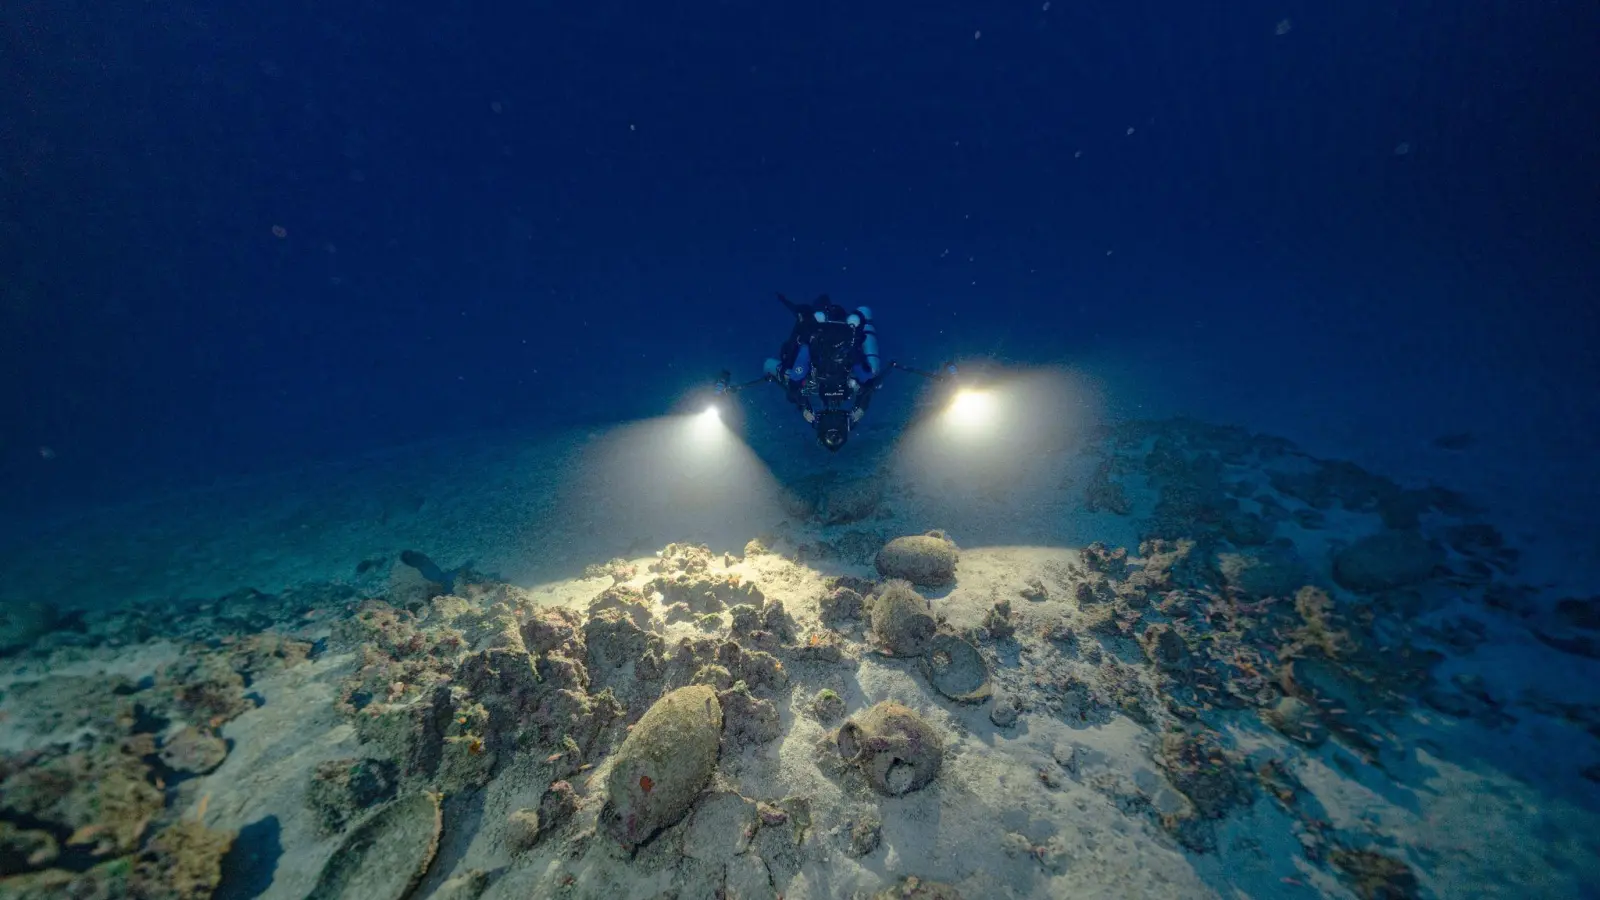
(663, 765)
(1385, 561)
(922, 559)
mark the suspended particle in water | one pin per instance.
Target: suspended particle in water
(47, 453)
(976, 35)
(1283, 28)
(1402, 148)
(280, 232)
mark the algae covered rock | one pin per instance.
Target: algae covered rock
(900, 620)
(923, 559)
(897, 750)
(105, 796)
(193, 751)
(956, 669)
(385, 856)
(663, 765)
(183, 862)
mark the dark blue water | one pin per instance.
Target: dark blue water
(239, 238)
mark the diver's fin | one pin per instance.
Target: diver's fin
(794, 307)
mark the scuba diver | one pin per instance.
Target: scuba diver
(829, 367)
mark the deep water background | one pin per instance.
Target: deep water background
(1380, 224)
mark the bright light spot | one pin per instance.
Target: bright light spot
(707, 428)
(972, 409)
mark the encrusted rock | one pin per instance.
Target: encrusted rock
(956, 669)
(1166, 650)
(757, 668)
(182, 862)
(827, 705)
(1257, 572)
(557, 805)
(747, 719)
(104, 796)
(1296, 720)
(840, 604)
(998, 621)
(925, 559)
(1385, 561)
(705, 592)
(1003, 712)
(900, 620)
(385, 856)
(717, 676)
(1376, 876)
(194, 752)
(897, 750)
(615, 639)
(1202, 771)
(865, 834)
(523, 830)
(663, 765)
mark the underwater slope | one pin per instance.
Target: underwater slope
(1177, 660)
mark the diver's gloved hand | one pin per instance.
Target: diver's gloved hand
(809, 416)
(770, 369)
(856, 414)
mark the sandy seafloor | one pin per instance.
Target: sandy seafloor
(1323, 680)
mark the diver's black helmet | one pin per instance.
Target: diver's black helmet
(833, 429)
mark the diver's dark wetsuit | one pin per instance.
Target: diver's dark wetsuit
(829, 366)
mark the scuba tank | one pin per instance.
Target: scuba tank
(862, 319)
